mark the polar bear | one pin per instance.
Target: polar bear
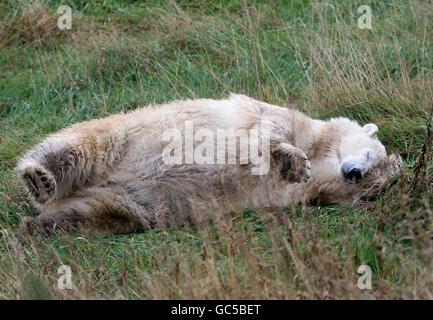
(109, 176)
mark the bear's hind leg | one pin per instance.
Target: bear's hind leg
(99, 210)
(49, 170)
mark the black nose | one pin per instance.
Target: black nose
(352, 174)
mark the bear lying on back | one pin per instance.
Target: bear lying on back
(167, 165)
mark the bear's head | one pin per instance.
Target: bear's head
(350, 163)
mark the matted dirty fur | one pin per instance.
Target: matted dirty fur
(107, 176)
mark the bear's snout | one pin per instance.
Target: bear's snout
(351, 172)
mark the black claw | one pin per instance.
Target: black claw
(32, 181)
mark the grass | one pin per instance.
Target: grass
(120, 55)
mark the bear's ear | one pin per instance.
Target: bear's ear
(371, 129)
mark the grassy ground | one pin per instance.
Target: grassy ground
(123, 54)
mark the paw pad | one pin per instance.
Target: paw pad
(295, 164)
(40, 182)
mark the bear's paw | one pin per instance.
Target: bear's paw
(295, 165)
